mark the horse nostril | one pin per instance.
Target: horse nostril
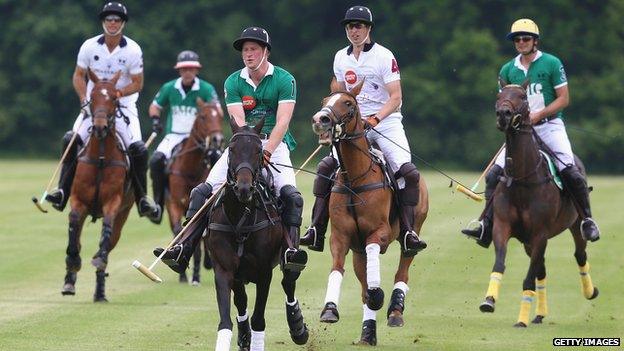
(325, 120)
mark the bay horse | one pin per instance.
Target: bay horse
(190, 166)
(530, 207)
(363, 213)
(245, 239)
(100, 187)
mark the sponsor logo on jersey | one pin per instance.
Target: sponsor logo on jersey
(395, 66)
(248, 102)
(350, 77)
(564, 78)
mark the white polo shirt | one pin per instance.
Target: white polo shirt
(127, 58)
(377, 66)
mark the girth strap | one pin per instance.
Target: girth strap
(341, 189)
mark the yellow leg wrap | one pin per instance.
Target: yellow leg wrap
(541, 308)
(495, 283)
(586, 283)
(525, 306)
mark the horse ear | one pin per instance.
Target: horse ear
(92, 76)
(199, 102)
(259, 125)
(334, 86)
(501, 82)
(234, 125)
(115, 78)
(525, 84)
(356, 89)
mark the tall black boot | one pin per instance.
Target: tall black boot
(59, 196)
(138, 160)
(178, 255)
(292, 208)
(314, 237)
(408, 200)
(575, 182)
(159, 181)
(483, 232)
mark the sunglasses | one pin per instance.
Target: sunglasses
(524, 39)
(112, 18)
(356, 25)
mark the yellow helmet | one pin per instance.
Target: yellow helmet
(523, 26)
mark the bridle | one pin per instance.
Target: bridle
(255, 171)
(517, 122)
(338, 131)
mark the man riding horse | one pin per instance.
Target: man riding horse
(548, 95)
(105, 55)
(258, 91)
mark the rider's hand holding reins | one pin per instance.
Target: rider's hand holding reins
(371, 122)
(156, 126)
(266, 157)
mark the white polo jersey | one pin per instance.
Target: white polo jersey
(127, 58)
(377, 66)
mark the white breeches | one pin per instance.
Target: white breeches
(169, 142)
(130, 133)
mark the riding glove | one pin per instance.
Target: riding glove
(156, 126)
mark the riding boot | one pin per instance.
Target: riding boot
(159, 181)
(138, 160)
(59, 196)
(483, 232)
(179, 254)
(408, 200)
(294, 259)
(575, 182)
(314, 237)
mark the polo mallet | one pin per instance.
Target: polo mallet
(39, 202)
(147, 271)
(150, 139)
(471, 192)
(308, 159)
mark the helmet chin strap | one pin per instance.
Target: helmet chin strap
(354, 43)
(116, 33)
(261, 61)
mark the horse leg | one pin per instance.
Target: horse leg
(73, 262)
(339, 248)
(396, 307)
(541, 305)
(240, 301)
(223, 284)
(536, 268)
(296, 326)
(500, 234)
(589, 290)
(196, 265)
(100, 259)
(257, 318)
(207, 259)
(369, 318)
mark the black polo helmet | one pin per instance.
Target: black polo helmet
(257, 34)
(114, 8)
(188, 58)
(358, 14)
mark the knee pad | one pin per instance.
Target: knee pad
(492, 179)
(573, 177)
(292, 205)
(137, 149)
(326, 168)
(198, 196)
(157, 162)
(71, 155)
(411, 193)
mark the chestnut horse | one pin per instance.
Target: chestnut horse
(100, 187)
(363, 212)
(245, 240)
(530, 207)
(190, 166)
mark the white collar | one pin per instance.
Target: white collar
(245, 74)
(518, 64)
(178, 85)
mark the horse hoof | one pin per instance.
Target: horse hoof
(487, 305)
(538, 319)
(395, 319)
(520, 325)
(99, 263)
(183, 278)
(244, 335)
(99, 299)
(595, 294)
(330, 314)
(302, 338)
(68, 289)
(195, 283)
(374, 298)
(369, 333)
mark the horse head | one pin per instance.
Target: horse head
(103, 103)
(512, 107)
(244, 160)
(339, 116)
(208, 130)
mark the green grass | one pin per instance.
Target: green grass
(448, 282)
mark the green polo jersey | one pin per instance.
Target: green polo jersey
(545, 74)
(182, 106)
(277, 86)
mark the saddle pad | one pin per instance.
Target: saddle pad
(553, 170)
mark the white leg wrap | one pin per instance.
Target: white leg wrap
(402, 286)
(333, 287)
(373, 276)
(224, 337)
(368, 313)
(257, 341)
(243, 317)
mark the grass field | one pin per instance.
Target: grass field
(448, 282)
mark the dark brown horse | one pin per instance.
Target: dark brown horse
(245, 240)
(190, 166)
(363, 212)
(100, 187)
(530, 207)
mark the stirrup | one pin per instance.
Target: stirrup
(173, 262)
(295, 265)
(597, 232)
(481, 229)
(410, 252)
